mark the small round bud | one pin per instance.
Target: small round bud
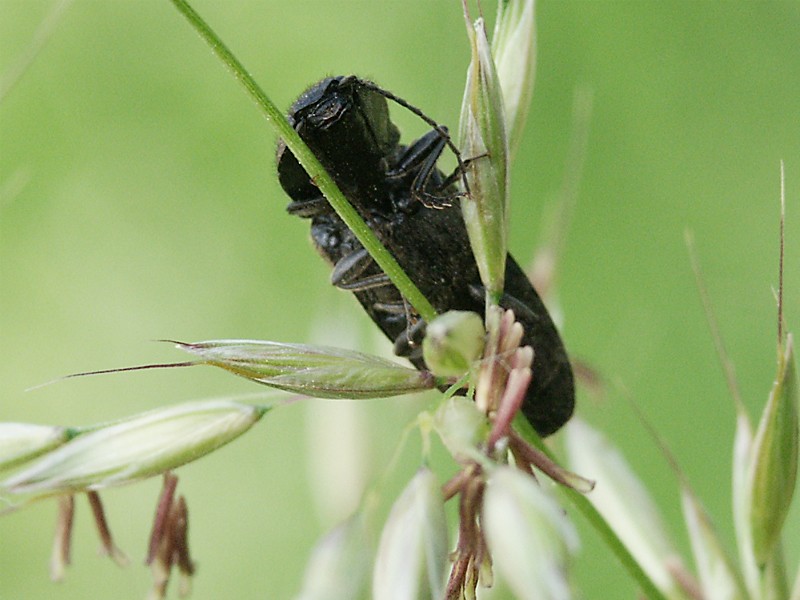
(453, 342)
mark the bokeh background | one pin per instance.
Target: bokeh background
(139, 201)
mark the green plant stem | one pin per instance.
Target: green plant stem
(312, 166)
(596, 520)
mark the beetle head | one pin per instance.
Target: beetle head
(347, 126)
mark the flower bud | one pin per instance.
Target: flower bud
(623, 501)
(137, 447)
(461, 427)
(484, 144)
(773, 470)
(22, 442)
(412, 553)
(514, 50)
(718, 576)
(453, 342)
(338, 568)
(742, 450)
(319, 371)
(528, 534)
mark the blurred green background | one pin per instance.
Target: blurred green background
(138, 201)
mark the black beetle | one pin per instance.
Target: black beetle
(404, 199)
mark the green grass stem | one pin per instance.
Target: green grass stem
(312, 166)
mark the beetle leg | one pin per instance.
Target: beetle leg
(373, 281)
(420, 159)
(458, 172)
(409, 343)
(309, 208)
(522, 312)
(417, 153)
(391, 308)
(347, 273)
